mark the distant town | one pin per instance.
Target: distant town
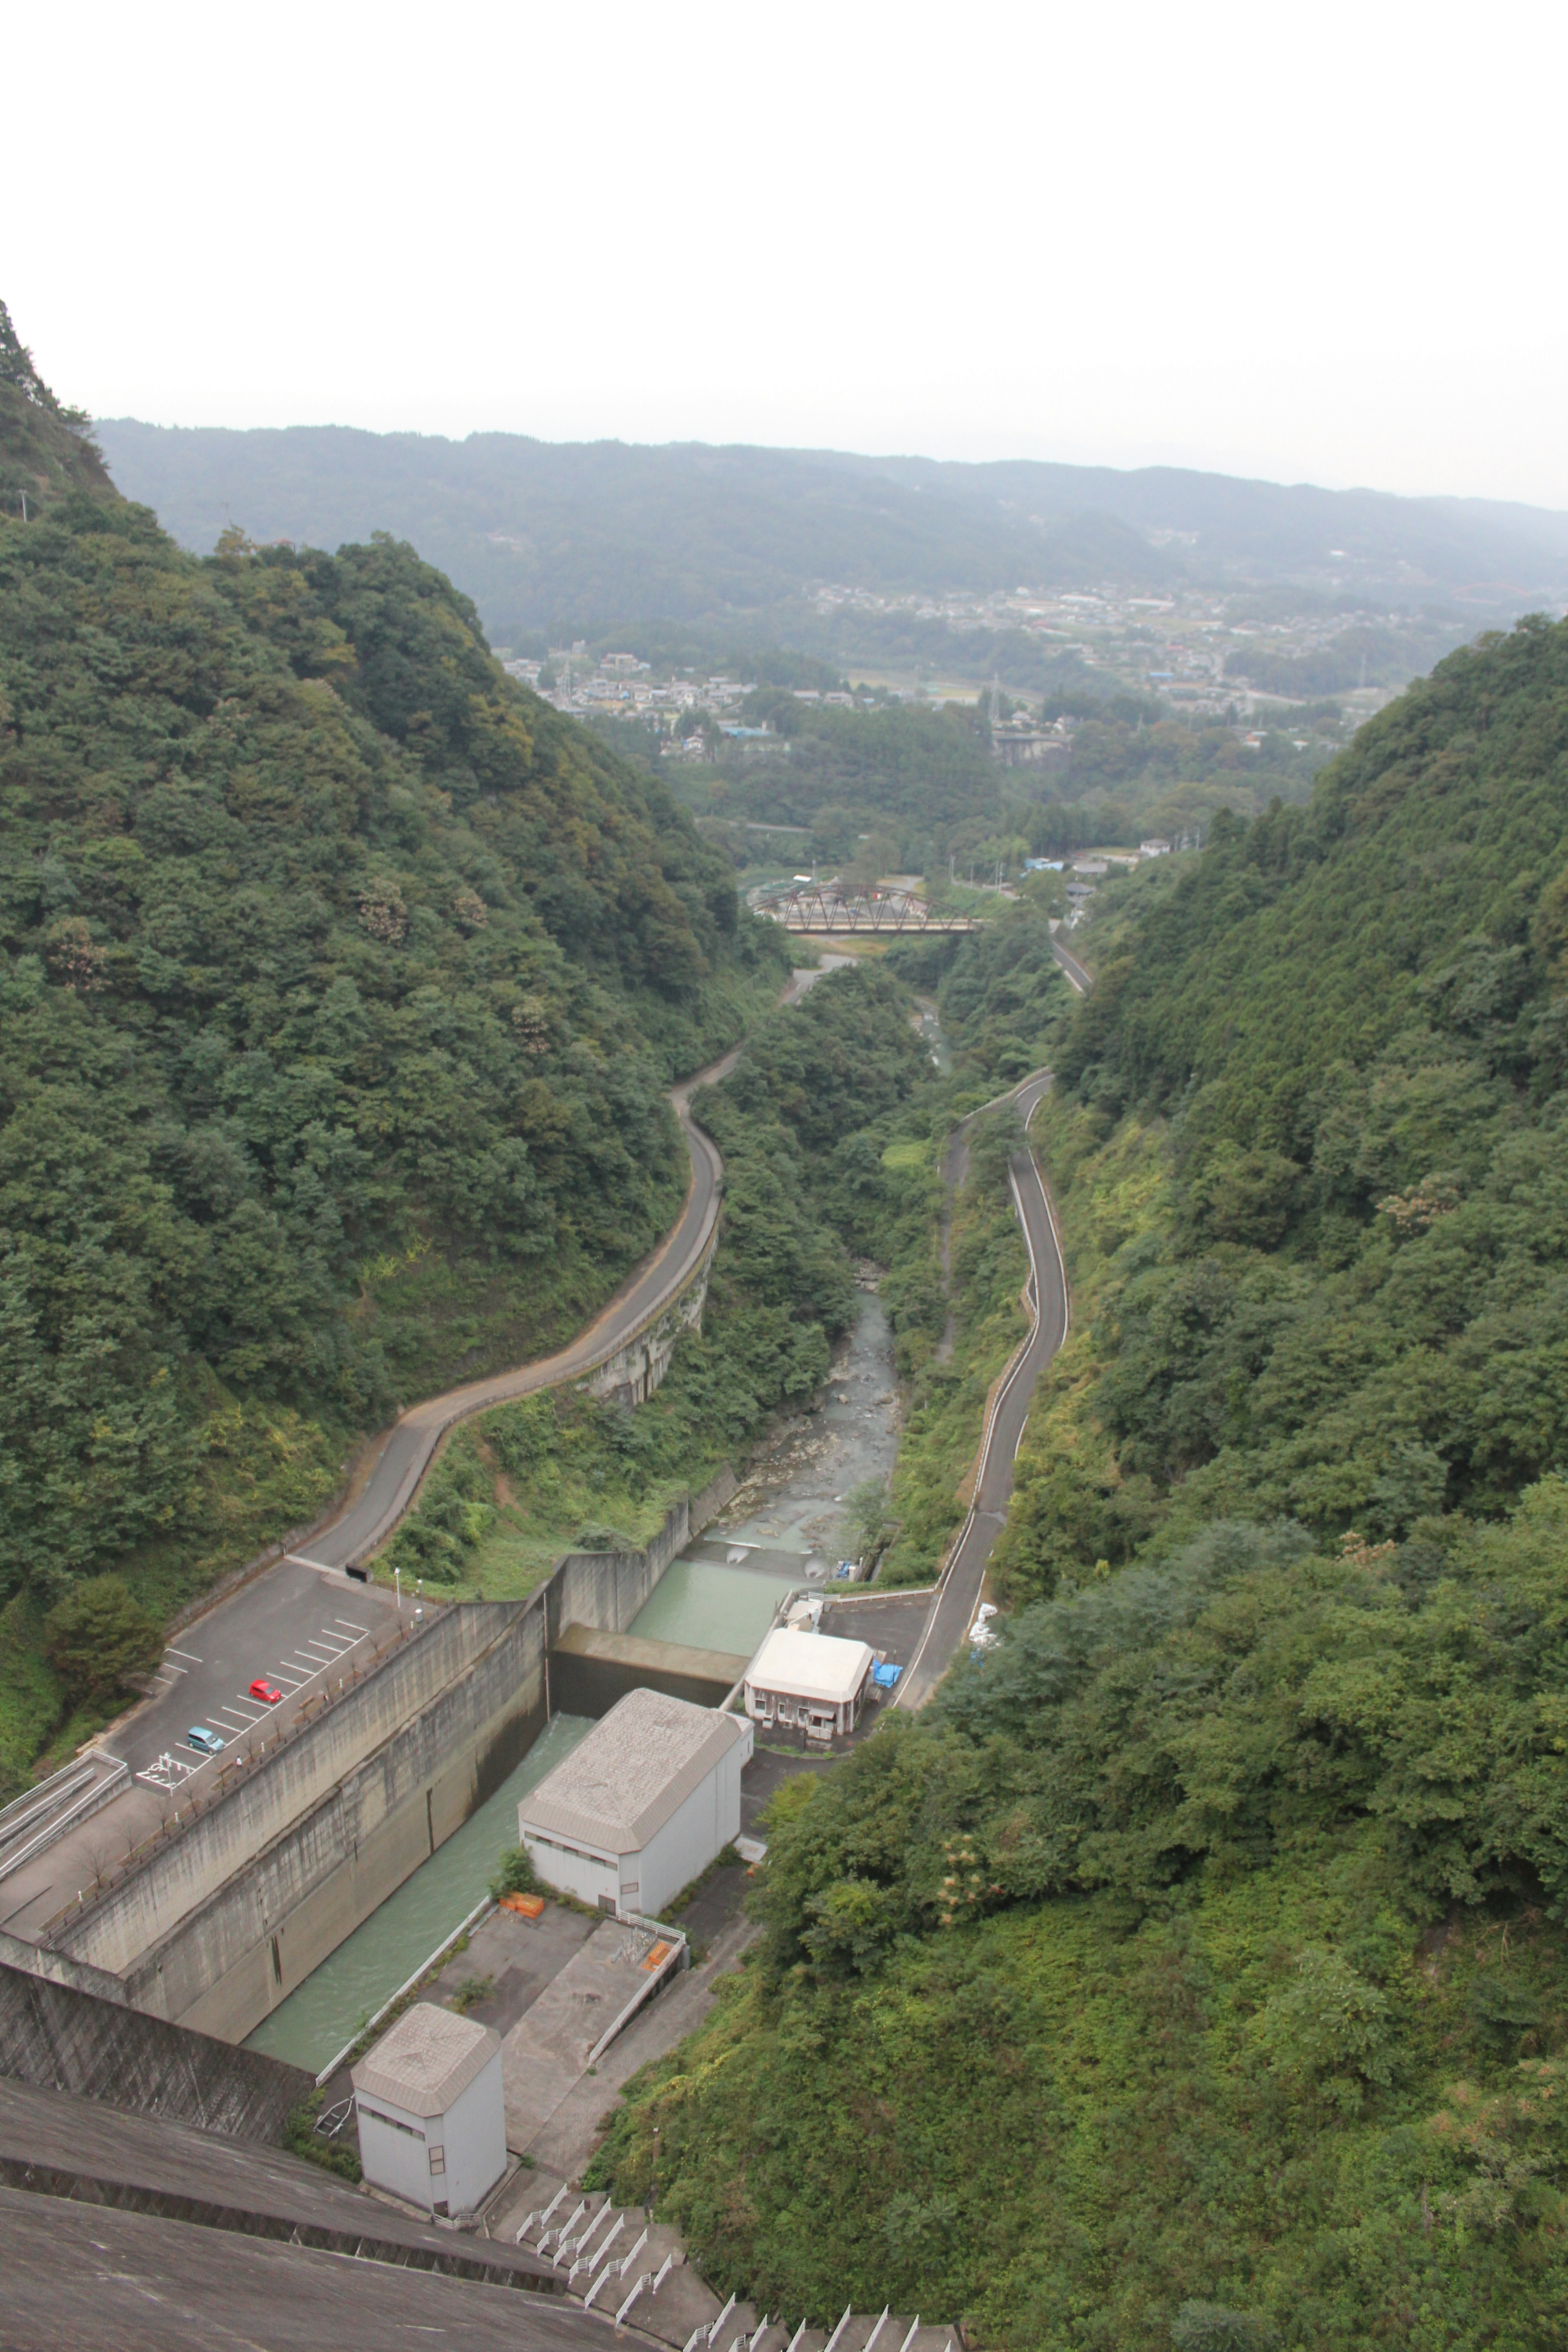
(1195, 652)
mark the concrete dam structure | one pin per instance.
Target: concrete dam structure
(215, 1928)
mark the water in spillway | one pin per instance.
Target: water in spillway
(320, 2015)
(707, 1605)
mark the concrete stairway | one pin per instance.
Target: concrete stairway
(612, 2260)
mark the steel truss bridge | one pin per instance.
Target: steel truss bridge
(838, 913)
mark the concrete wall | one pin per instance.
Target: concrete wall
(605, 1590)
(589, 1670)
(62, 2039)
(220, 1925)
(277, 1797)
(59, 1968)
(275, 1919)
(634, 1371)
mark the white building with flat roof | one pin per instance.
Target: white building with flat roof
(641, 1806)
(813, 1681)
(431, 2124)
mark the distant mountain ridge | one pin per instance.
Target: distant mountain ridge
(589, 538)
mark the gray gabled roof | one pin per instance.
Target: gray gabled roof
(427, 2061)
(635, 1768)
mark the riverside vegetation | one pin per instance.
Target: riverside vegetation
(832, 1129)
(1190, 1973)
(341, 982)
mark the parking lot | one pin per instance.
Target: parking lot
(294, 1628)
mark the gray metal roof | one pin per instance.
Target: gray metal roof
(427, 2061)
(634, 1770)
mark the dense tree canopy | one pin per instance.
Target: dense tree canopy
(1192, 1973)
(340, 982)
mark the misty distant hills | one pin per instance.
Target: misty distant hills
(595, 538)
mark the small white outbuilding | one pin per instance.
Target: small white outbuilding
(432, 2121)
(642, 1805)
(814, 1681)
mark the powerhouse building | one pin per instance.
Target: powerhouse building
(642, 1805)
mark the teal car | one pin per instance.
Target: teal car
(204, 1742)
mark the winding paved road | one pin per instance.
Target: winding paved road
(408, 1445)
(296, 1627)
(958, 1594)
(406, 1452)
(1081, 980)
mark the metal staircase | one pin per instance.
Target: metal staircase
(613, 2260)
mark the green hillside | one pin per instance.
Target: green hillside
(1192, 1974)
(724, 545)
(343, 979)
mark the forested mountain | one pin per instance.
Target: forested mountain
(342, 981)
(1192, 1974)
(586, 539)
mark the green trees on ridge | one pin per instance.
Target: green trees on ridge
(1193, 1971)
(342, 981)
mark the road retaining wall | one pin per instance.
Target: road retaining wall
(277, 1833)
(631, 1375)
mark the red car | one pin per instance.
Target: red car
(262, 1689)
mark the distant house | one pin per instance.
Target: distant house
(641, 1806)
(813, 1682)
(1153, 849)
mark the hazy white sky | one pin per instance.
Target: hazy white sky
(1314, 243)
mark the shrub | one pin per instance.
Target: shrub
(98, 1638)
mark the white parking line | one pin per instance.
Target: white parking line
(349, 1626)
(184, 1653)
(232, 1710)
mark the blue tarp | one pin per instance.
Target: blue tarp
(886, 1676)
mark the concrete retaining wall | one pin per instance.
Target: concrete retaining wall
(216, 1927)
(58, 1968)
(278, 1915)
(605, 1590)
(62, 2039)
(589, 1670)
(281, 1795)
(634, 1371)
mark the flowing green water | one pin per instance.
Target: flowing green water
(367, 1967)
(707, 1606)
